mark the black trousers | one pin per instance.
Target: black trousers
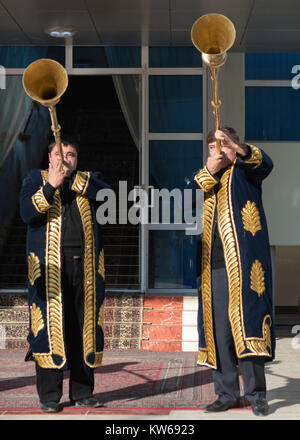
(226, 377)
(81, 383)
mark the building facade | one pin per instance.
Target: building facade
(165, 94)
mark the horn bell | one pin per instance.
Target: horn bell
(45, 81)
(213, 35)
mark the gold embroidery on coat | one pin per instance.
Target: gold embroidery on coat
(202, 357)
(34, 269)
(251, 218)
(233, 267)
(257, 277)
(53, 278)
(100, 316)
(262, 346)
(89, 326)
(232, 256)
(232, 259)
(37, 322)
(205, 180)
(39, 201)
(101, 267)
(81, 182)
(53, 285)
(256, 156)
(209, 210)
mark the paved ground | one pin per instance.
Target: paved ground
(283, 382)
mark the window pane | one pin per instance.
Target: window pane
(174, 57)
(172, 163)
(107, 56)
(172, 260)
(272, 113)
(175, 104)
(22, 56)
(272, 66)
(89, 57)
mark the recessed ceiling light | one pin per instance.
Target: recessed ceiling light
(61, 31)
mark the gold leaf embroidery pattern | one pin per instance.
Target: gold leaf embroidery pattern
(34, 269)
(256, 156)
(209, 209)
(232, 260)
(202, 357)
(101, 268)
(81, 182)
(100, 316)
(205, 180)
(37, 322)
(257, 278)
(89, 330)
(39, 201)
(53, 286)
(263, 346)
(251, 218)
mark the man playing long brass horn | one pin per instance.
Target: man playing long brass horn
(235, 318)
(66, 277)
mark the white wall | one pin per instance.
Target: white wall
(281, 193)
(231, 94)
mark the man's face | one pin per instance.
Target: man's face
(229, 153)
(70, 158)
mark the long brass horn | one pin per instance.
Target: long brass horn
(45, 81)
(213, 35)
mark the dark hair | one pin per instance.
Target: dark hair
(211, 135)
(65, 141)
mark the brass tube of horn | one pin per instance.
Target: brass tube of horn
(45, 81)
(213, 35)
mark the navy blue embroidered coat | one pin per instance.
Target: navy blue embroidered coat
(236, 200)
(44, 257)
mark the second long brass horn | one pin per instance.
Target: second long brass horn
(45, 81)
(213, 35)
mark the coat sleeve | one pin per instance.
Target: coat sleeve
(258, 163)
(205, 180)
(88, 183)
(33, 203)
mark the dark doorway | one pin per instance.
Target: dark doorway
(90, 112)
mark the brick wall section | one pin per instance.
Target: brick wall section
(162, 323)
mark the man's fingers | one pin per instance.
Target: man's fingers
(219, 156)
(58, 164)
(221, 133)
(222, 136)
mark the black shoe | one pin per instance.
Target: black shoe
(218, 406)
(50, 407)
(90, 402)
(260, 407)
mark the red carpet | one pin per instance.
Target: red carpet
(129, 381)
